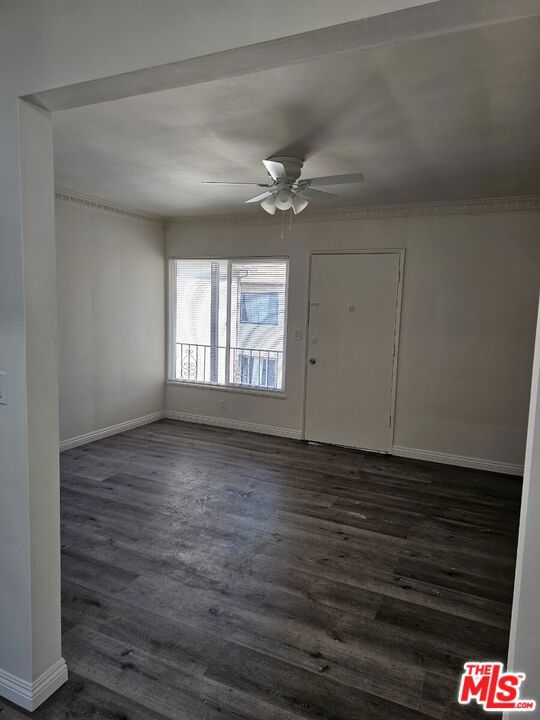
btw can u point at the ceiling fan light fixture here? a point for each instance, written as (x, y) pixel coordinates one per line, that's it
(299, 204)
(269, 204)
(284, 200)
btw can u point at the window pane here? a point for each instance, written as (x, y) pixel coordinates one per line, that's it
(259, 307)
(201, 314)
(258, 304)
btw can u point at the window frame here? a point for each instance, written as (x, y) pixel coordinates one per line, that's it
(171, 325)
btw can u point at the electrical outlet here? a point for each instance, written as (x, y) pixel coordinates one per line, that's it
(297, 334)
(3, 388)
(222, 404)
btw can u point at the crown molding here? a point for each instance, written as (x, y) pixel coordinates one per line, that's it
(374, 212)
(368, 212)
(92, 203)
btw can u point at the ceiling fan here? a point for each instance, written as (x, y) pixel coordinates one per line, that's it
(287, 191)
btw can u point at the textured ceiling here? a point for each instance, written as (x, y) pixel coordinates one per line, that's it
(448, 118)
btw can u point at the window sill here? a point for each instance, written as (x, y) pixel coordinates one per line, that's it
(280, 394)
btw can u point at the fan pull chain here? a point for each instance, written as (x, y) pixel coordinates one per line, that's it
(283, 216)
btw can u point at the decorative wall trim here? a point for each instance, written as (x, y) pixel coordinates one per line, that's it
(111, 430)
(30, 695)
(375, 212)
(458, 460)
(86, 201)
(234, 424)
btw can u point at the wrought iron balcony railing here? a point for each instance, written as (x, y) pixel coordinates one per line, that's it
(251, 367)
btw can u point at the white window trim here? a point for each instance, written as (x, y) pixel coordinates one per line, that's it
(242, 389)
(171, 326)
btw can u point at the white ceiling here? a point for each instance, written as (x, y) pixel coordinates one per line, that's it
(447, 118)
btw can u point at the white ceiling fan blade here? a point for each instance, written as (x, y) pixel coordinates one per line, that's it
(276, 170)
(336, 179)
(260, 197)
(313, 194)
(218, 182)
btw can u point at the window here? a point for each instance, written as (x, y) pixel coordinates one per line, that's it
(228, 322)
(259, 308)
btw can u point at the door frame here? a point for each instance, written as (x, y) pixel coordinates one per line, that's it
(400, 252)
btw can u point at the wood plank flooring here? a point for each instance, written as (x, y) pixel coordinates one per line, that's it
(209, 573)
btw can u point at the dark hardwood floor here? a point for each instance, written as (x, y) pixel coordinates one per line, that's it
(209, 573)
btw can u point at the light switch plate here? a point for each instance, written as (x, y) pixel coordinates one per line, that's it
(3, 388)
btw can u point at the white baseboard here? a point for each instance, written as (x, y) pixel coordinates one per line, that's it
(111, 430)
(30, 695)
(413, 453)
(459, 460)
(234, 424)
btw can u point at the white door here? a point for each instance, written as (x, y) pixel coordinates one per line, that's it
(351, 343)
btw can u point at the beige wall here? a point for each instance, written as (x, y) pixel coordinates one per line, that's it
(110, 279)
(467, 331)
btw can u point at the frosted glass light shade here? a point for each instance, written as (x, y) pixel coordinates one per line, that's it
(299, 204)
(283, 200)
(269, 204)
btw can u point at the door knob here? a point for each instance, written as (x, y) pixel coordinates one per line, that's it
(312, 361)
